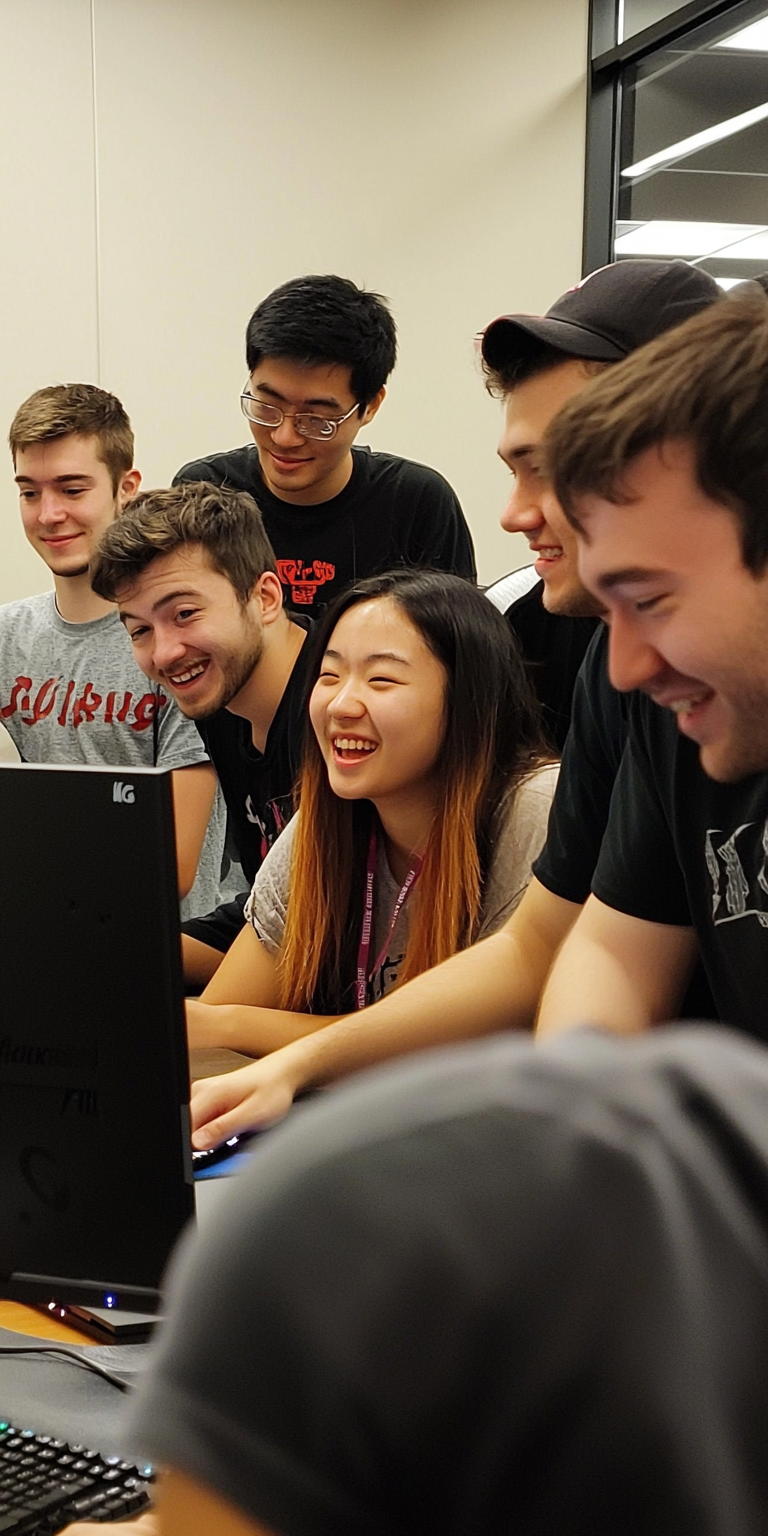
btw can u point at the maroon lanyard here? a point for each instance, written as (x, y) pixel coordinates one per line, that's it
(364, 975)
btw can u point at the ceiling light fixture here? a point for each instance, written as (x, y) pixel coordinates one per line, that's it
(696, 141)
(678, 237)
(754, 248)
(753, 38)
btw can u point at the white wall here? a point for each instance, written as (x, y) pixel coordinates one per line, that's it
(164, 163)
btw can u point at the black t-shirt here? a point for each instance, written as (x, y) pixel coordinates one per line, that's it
(591, 758)
(680, 848)
(391, 513)
(498, 1289)
(554, 647)
(257, 787)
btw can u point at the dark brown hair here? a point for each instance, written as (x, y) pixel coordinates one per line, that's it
(226, 524)
(61, 409)
(501, 377)
(704, 383)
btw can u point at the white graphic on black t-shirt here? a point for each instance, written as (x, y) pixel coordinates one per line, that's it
(739, 875)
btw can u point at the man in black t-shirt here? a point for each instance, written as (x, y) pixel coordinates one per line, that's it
(664, 470)
(319, 351)
(554, 646)
(194, 577)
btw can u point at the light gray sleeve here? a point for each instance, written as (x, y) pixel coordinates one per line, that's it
(179, 743)
(267, 905)
(520, 839)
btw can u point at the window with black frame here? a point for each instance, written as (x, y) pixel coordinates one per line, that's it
(689, 172)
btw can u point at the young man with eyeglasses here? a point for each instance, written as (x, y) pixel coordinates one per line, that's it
(319, 352)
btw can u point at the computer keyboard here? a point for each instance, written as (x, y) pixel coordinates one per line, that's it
(45, 1484)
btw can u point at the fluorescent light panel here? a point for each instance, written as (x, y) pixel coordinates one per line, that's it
(753, 249)
(753, 38)
(676, 237)
(697, 141)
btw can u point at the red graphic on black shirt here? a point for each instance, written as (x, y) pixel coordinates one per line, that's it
(277, 814)
(84, 708)
(304, 580)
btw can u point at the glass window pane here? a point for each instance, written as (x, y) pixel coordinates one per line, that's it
(693, 178)
(636, 15)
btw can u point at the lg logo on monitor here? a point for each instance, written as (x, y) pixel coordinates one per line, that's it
(122, 793)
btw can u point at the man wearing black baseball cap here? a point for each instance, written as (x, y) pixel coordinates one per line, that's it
(534, 363)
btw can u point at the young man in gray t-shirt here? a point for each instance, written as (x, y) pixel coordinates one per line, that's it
(70, 690)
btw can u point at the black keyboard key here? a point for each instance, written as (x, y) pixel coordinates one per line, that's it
(37, 1502)
(137, 1499)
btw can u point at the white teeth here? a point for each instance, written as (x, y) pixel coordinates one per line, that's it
(682, 706)
(185, 677)
(351, 744)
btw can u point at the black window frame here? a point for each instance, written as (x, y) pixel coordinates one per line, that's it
(609, 62)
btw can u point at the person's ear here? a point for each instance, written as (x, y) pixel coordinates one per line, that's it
(128, 486)
(269, 595)
(372, 407)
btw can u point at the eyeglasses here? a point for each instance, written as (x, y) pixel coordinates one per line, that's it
(307, 424)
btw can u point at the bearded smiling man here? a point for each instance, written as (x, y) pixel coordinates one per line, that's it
(663, 470)
(195, 579)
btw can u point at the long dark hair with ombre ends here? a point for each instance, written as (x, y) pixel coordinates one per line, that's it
(491, 739)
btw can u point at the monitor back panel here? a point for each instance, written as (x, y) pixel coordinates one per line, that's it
(95, 1168)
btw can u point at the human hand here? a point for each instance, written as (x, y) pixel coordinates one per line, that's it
(245, 1100)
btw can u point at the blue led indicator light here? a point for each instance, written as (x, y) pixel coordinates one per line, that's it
(109, 1300)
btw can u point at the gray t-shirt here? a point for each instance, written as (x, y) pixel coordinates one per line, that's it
(72, 693)
(520, 838)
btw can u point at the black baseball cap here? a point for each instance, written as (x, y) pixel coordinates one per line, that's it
(607, 315)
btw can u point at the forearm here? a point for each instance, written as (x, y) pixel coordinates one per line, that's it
(253, 1031)
(490, 987)
(200, 961)
(589, 985)
(495, 985)
(619, 972)
(193, 794)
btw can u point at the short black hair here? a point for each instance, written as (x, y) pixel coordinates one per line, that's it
(326, 320)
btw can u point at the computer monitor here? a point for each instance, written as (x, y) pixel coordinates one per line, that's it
(95, 1163)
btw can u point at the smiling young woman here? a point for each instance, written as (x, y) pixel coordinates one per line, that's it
(425, 793)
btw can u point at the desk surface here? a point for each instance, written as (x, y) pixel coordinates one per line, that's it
(21, 1319)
